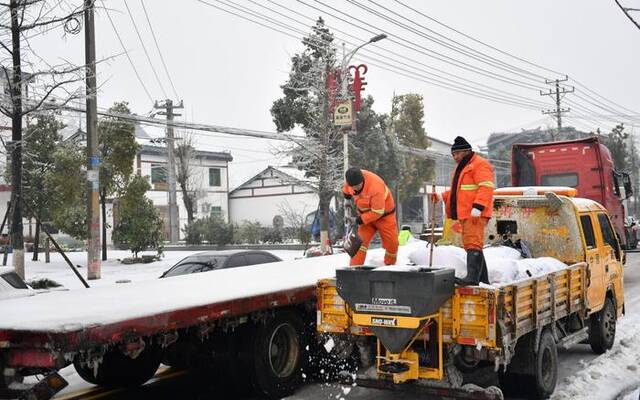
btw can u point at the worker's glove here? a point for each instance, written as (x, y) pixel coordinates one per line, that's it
(436, 197)
(475, 212)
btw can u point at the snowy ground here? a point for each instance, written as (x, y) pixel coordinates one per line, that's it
(112, 269)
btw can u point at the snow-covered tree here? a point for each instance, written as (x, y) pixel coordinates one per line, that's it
(407, 125)
(306, 105)
(117, 147)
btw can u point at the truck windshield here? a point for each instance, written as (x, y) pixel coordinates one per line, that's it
(568, 179)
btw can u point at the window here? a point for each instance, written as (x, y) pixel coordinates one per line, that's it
(570, 180)
(258, 259)
(214, 177)
(206, 208)
(158, 174)
(587, 228)
(236, 261)
(216, 212)
(608, 235)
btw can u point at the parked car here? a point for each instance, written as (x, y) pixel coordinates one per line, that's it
(212, 260)
(11, 285)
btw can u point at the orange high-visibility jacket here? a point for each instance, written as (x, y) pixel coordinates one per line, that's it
(374, 200)
(475, 186)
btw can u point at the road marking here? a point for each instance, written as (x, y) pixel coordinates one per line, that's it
(97, 392)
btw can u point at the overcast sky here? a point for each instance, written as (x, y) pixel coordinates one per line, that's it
(228, 70)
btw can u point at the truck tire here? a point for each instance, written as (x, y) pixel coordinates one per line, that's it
(602, 329)
(279, 355)
(543, 381)
(534, 370)
(120, 370)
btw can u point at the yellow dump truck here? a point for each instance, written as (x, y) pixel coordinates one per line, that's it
(426, 333)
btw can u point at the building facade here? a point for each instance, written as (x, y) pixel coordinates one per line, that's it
(210, 180)
(273, 194)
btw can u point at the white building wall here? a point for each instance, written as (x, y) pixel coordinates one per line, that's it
(263, 209)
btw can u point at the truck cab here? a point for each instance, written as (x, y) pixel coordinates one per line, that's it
(585, 165)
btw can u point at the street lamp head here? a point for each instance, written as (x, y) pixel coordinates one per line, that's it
(378, 38)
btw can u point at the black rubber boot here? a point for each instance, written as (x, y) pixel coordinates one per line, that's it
(476, 269)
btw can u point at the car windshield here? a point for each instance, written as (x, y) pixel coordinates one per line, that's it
(195, 264)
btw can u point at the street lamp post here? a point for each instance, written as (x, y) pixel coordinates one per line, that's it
(344, 72)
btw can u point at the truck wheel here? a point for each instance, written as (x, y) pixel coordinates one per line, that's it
(280, 355)
(543, 382)
(602, 330)
(120, 370)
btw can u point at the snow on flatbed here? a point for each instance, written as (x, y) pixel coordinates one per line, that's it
(78, 309)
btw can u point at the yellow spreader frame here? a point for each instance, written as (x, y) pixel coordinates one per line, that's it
(408, 356)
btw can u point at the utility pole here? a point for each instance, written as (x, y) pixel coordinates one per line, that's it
(557, 92)
(174, 229)
(94, 263)
(17, 239)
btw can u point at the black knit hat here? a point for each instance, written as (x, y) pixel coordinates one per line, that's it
(354, 176)
(460, 144)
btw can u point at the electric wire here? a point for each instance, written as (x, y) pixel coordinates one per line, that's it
(424, 50)
(398, 55)
(486, 59)
(393, 69)
(144, 48)
(124, 49)
(155, 40)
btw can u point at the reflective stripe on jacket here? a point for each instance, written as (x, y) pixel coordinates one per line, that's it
(475, 186)
(374, 200)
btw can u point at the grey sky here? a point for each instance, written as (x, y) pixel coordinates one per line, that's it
(228, 70)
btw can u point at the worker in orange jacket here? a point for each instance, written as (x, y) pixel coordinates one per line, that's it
(377, 213)
(470, 201)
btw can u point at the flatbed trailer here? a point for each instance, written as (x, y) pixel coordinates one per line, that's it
(424, 331)
(259, 333)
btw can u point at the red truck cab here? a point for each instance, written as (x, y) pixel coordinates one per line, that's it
(583, 164)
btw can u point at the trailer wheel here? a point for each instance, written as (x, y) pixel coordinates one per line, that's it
(602, 330)
(280, 354)
(120, 370)
(543, 382)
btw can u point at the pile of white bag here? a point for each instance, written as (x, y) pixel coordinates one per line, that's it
(504, 264)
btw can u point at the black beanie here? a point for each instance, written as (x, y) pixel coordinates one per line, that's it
(354, 176)
(460, 144)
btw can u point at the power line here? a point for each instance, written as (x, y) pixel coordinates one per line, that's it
(482, 58)
(164, 64)
(135, 70)
(144, 48)
(478, 41)
(505, 53)
(409, 74)
(398, 55)
(424, 50)
(602, 97)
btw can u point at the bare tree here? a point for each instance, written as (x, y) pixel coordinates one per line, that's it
(295, 220)
(23, 19)
(187, 175)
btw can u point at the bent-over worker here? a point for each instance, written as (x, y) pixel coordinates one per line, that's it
(376, 213)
